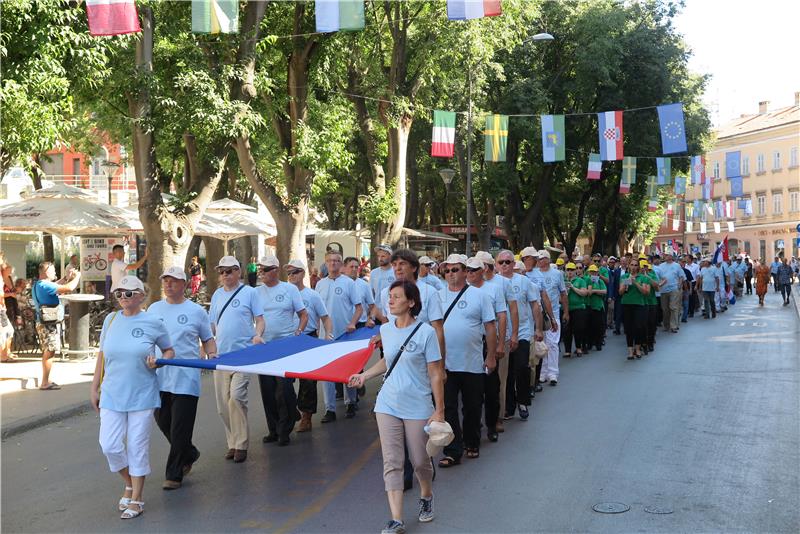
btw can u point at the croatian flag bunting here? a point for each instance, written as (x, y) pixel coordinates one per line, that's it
(652, 205)
(698, 170)
(296, 357)
(610, 135)
(112, 17)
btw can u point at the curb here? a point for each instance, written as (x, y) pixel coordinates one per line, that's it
(796, 302)
(30, 423)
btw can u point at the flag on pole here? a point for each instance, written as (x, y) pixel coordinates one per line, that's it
(215, 16)
(629, 170)
(721, 253)
(444, 134)
(733, 164)
(496, 137)
(737, 189)
(610, 134)
(652, 205)
(703, 227)
(680, 185)
(664, 170)
(295, 357)
(673, 134)
(335, 15)
(553, 148)
(595, 167)
(716, 227)
(112, 17)
(730, 226)
(689, 226)
(698, 170)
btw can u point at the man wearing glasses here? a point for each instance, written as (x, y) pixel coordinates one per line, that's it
(317, 316)
(283, 308)
(235, 307)
(341, 299)
(426, 275)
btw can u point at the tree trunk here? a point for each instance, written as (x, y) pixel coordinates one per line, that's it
(398, 156)
(47, 239)
(214, 251)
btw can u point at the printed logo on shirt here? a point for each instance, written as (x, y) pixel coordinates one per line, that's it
(461, 304)
(183, 319)
(279, 298)
(137, 332)
(338, 291)
(411, 346)
(516, 289)
(235, 303)
(306, 303)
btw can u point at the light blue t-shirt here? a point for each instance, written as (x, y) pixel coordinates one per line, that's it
(656, 271)
(188, 325)
(431, 307)
(552, 283)
(340, 298)
(773, 268)
(463, 329)
(365, 293)
(673, 274)
(524, 292)
(315, 309)
(380, 278)
(709, 275)
(497, 298)
(281, 304)
(128, 384)
(406, 394)
(432, 280)
(722, 275)
(235, 329)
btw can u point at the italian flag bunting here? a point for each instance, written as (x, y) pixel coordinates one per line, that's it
(112, 17)
(496, 138)
(444, 134)
(595, 167)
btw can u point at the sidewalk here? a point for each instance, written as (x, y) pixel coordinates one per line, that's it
(24, 407)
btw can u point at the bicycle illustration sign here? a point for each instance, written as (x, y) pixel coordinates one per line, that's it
(96, 256)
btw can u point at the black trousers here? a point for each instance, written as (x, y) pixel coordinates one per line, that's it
(491, 396)
(307, 392)
(280, 404)
(635, 317)
(175, 419)
(652, 322)
(575, 329)
(659, 312)
(518, 384)
(617, 313)
(597, 327)
(468, 386)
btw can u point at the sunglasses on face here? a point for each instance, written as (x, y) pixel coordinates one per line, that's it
(227, 271)
(266, 269)
(292, 273)
(473, 269)
(505, 262)
(125, 294)
(453, 270)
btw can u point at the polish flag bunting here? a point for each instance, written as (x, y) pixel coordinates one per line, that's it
(296, 357)
(112, 17)
(610, 134)
(595, 167)
(444, 134)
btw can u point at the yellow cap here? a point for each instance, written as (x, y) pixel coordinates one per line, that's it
(644, 263)
(593, 269)
(570, 265)
(642, 257)
(559, 261)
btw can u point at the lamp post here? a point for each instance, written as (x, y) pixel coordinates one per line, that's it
(109, 168)
(447, 177)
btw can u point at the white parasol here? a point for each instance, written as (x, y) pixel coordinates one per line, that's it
(226, 219)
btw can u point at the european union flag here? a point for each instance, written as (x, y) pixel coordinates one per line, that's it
(673, 133)
(733, 165)
(736, 187)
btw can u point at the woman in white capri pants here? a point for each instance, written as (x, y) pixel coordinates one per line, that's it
(125, 389)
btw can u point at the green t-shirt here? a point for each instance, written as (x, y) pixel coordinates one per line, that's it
(632, 295)
(596, 301)
(252, 267)
(604, 271)
(651, 297)
(576, 302)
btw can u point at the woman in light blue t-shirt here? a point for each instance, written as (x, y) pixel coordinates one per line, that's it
(403, 407)
(126, 371)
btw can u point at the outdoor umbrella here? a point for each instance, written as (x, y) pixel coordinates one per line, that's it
(226, 219)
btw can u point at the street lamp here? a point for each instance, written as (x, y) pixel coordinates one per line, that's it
(109, 168)
(540, 37)
(447, 176)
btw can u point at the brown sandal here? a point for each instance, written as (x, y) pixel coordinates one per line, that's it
(472, 453)
(448, 461)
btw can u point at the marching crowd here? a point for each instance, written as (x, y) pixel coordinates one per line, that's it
(483, 333)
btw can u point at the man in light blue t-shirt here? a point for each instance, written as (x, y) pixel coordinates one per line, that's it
(237, 319)
(383, 276)
(187, 324)
(708, 284)
(672, 278)
(551, 282)
(426, 275)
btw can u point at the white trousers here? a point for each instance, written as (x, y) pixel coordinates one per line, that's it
(125, 440)
(550, 363)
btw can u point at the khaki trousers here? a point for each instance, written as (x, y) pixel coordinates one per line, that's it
(231, 393)
(502, 370)
(396, 434)
(671, 309)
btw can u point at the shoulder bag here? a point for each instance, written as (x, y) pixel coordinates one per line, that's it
(48, 313)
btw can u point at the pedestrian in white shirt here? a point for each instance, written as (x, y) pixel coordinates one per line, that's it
(120, 267)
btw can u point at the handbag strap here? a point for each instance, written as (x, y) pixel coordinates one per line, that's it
(400, 352)
(452, 304)
(219, 317)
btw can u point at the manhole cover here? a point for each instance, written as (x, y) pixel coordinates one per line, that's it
(658, 509)
(611, 507)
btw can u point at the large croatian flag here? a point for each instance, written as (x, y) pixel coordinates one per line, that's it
(610, 132)
(296, 357)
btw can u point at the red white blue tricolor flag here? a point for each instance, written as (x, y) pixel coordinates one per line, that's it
(112, 17)
(473, 9)
(610, 133)
(296, 357)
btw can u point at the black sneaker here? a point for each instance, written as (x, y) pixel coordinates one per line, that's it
(329, 417)
(426, 510)
(394, 527)
(538, 388)
(523, 412)
(351, 411)
(283, 441)
(553, 382)
(269, 438)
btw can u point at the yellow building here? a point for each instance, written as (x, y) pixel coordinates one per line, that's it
(768, 143)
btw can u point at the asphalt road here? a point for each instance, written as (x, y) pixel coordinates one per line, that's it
(707, 427)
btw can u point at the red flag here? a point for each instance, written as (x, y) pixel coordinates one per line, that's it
(112, 17)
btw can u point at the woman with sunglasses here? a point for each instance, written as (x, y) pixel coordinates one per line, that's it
(634, 287)
(403, 407)
(576, 299)
(125, 369)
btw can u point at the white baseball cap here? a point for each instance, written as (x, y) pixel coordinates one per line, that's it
(129, 283)
(426, 260)
(440, 435)
(296, 264)
(529, 251)
(455, 258)
(485, 257)
(228, 261)
(544, 255)
(519, 266)
(269, 261)
(474, 263)
(174, 272)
